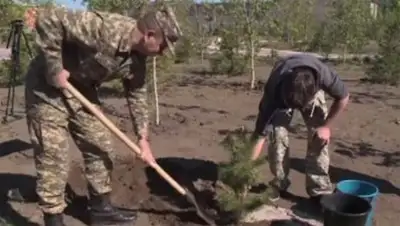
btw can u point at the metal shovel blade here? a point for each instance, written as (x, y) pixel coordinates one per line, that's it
(200, 210)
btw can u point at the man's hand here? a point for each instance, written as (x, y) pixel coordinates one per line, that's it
(60, 81)
(147, 154)
(323, 133)
(258, 148)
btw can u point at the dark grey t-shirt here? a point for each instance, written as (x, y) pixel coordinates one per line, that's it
(328, 80)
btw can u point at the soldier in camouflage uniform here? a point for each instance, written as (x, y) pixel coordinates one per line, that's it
(88, 48)
(299, 82)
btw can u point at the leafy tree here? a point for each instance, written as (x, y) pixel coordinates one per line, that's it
(230, 58)
(323, 39)
(253, 24)
(241, 35)
(131, 7)
(385, 68)
(185, 46)
(10, 11)
(295, 22)
(350, 24)
(204, 14)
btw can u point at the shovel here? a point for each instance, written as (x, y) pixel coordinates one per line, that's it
(100, 116)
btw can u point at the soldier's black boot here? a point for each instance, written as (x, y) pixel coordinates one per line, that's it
(103, 213)
(53, 220)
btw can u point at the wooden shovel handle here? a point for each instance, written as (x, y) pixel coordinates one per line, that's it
(100, 116)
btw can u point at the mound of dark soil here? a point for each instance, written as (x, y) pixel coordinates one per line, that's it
(137, 186)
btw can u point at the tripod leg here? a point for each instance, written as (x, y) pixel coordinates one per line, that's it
(8, 101)
(12, 97)
(15, 43)
(11, 36)
(16, 63)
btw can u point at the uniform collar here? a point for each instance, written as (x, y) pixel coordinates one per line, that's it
(126, 40)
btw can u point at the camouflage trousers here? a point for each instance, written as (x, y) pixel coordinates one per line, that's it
(50, 120)
(317, 157)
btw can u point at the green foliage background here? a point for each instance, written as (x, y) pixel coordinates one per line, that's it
(345, 27)
(386, 67)
(12, 11)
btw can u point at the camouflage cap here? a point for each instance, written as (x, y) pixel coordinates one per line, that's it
(169, 25)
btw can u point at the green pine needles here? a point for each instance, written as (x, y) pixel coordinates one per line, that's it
(238, 176)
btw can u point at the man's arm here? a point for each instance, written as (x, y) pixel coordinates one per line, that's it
(56, 26)
(337, 107)
(136, 94)
(262, 127)
(335, 87)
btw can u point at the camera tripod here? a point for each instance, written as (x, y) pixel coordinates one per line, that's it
(14, 38)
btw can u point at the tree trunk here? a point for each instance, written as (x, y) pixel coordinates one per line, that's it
(250, 31)
(252, 65)
(156, 90)
(200, 32)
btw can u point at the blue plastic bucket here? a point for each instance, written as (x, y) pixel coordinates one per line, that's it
(362, 189)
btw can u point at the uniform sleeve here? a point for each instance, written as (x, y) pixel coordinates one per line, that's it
(56, 25)
(136, 92)
(333, 85)
(266, 111)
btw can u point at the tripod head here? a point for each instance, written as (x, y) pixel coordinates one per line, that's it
(18, 22)
(16, 28)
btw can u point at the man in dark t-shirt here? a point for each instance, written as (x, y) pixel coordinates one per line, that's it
(299, 82)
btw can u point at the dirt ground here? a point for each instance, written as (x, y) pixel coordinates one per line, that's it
(196, 113)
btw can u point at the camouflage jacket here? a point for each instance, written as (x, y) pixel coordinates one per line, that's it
(94, 47)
